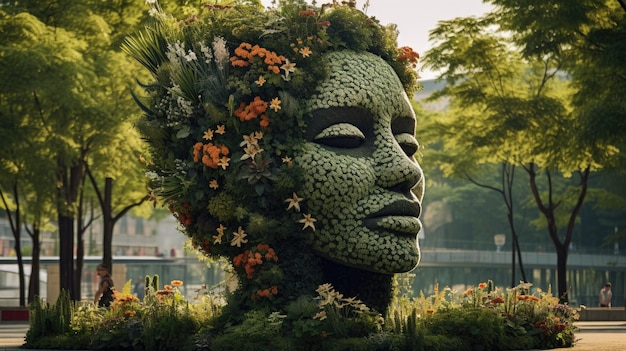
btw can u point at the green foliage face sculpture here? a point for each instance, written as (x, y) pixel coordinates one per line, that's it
(360, 169)
(283, 142)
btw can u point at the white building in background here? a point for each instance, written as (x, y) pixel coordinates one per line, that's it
(132, 236)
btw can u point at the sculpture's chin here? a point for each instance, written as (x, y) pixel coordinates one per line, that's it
(401, 261)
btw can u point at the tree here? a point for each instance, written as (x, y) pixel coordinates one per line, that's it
(515, 110)
(27, 175)
(129, 177)
(588, 35)
(66, 75)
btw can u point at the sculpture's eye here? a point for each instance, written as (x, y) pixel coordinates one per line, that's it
(341, 135)
(408, 143)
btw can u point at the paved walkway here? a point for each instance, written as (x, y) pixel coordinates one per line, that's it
(593, 336)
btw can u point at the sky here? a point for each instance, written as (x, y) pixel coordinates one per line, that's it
(415, 18)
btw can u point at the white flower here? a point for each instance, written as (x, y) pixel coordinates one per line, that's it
(191, 56)
(288, 67)
(222, 56)
(152, 175)
(206, 52)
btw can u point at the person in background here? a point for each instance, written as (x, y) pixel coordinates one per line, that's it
(606, 295)
(140, 288)
(104, 295)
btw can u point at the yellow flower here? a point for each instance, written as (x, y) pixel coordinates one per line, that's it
(238, 237)
(288, 161)
(213, 184)
(221, 129)
(208, 135)
(275, 104)
(288, 67)
(258, 135)
(217, 239)
(223, 162)
(305, 51)
(260, 81)
(249, 140)
(250, 151)
(308, 221)
(321, 315)
(294, 202)
(221, 229)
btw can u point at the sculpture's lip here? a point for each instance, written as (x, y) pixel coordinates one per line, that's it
(400, 217)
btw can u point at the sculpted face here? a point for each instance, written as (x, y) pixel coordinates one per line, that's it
(363, 184)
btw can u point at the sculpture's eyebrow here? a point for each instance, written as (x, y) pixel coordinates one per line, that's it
(326, 117)
(403, 125)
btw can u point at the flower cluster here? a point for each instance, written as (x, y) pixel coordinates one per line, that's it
(170, 292)
(409, 55)
(527, 311)
(256, 263)
(329, 298)
(337, 320)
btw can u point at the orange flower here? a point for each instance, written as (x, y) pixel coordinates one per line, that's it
(238, 260)
(468, 292)
(196, 151)
(527, 298)
(249, 271)
(213, 154)
(407, 54)
(265, 121)
(271, 255)
(237, 62)
(177, 282)
(252, 110)
(482, 285)
(242, 50)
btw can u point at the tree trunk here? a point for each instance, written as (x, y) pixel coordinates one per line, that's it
(80, 254)
(108, 224)
(70, 180)
(548, 210)
(561, 273)
(16, 229)
(66, 254)
(34, 288)
(80, 246)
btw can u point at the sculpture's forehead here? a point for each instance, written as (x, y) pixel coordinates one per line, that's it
(361, 80)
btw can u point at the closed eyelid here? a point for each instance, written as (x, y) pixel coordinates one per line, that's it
(341, 135)
(325, 118)
(341, 130)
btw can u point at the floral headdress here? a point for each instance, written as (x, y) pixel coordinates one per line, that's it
(224, 120)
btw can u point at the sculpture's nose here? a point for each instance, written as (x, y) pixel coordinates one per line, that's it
(398, 172)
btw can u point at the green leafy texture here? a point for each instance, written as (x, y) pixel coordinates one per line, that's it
(585, 38)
